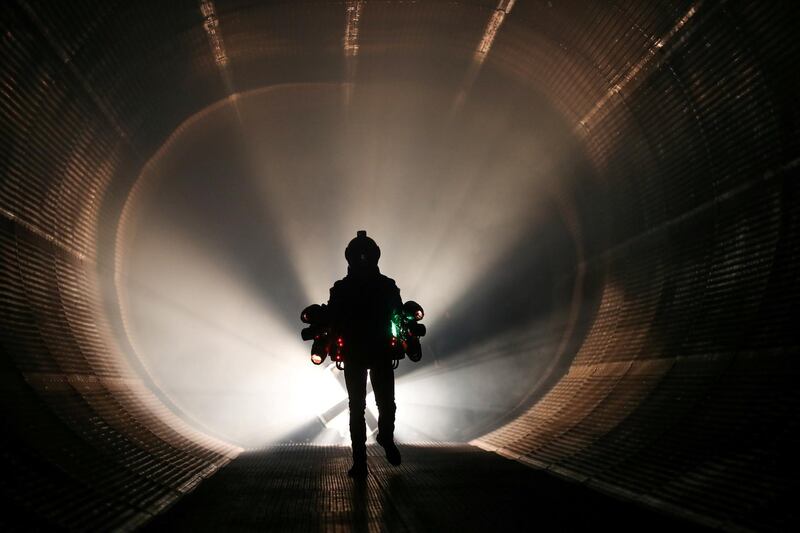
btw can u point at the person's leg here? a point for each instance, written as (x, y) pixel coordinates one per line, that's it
(355, 378)
(382, 377)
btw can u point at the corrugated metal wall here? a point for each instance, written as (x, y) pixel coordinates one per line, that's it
(84, 443)
(683, 393)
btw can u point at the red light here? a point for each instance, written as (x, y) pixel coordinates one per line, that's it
(394, 341)
(341, 341)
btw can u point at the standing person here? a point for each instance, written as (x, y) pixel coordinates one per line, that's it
(361, 307)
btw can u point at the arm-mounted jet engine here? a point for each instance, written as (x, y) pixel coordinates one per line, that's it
(405, 331)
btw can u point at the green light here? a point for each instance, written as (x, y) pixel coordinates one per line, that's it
(397, 320)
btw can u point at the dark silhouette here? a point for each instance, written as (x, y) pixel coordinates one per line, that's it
(361, 307)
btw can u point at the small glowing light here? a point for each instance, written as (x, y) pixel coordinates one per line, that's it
(211, 26)
(495, 21)
(351, 30)
(316, 359)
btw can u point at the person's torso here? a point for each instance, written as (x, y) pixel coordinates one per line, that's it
(366, 305)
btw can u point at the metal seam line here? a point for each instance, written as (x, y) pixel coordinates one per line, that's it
(43, 234)
(781, 172)
(484, 46)
(353, 12)
(492, 27)
(215, 41)
(105, 110)
(633, 72)
(211, 27)
(353, 9)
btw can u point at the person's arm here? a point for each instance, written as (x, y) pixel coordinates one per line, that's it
(393, 299)
(336, 305)
(397, 301)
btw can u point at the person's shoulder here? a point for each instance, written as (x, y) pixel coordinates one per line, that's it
(339, 285)
(388, 282)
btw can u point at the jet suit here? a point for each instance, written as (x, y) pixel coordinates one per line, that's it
(361, 307)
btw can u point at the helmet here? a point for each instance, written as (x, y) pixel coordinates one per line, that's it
(362, 251)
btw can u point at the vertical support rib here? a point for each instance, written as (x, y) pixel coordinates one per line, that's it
(217, 44)
(350, 44)
(484, 46)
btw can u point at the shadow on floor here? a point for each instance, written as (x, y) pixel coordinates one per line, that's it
(438, 488)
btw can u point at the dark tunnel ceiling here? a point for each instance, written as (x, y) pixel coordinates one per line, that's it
(671, 375)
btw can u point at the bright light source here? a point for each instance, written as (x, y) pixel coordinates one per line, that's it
(217, 253)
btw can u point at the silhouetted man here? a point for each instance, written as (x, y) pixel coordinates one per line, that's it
(361, 307)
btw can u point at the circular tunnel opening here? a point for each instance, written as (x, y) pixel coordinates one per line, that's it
(241, 218)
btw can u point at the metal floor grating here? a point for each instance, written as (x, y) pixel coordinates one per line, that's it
(438, 488)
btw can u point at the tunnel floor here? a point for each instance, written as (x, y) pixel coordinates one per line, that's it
(437, 488)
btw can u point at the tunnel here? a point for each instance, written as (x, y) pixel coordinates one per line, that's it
(595, 203)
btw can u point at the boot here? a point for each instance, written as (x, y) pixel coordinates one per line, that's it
(359, 468)
(392, 453)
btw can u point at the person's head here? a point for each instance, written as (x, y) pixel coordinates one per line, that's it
(362, 252)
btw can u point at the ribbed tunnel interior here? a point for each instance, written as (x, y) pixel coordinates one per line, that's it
(602, 197)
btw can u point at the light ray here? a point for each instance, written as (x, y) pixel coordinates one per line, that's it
(229, 353)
